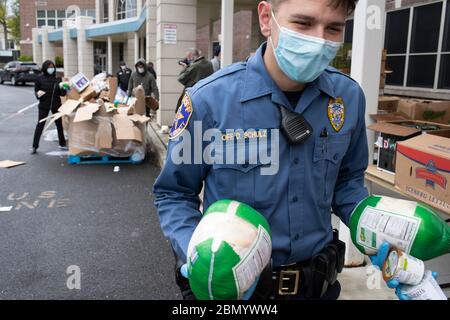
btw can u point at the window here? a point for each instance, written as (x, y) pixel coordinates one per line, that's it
(397, 65)
(444, 79)
(348, 37)
(413, 54)
(41, 14)
(425, 29)
(126, 9)
(105, 11)
(397, 24)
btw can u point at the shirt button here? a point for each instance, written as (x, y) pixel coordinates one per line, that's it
(295, 199)
(336, 156)
(296, 161)
(296, 237)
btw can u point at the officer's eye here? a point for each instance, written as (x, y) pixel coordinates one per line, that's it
(334, 30)
(303, 23)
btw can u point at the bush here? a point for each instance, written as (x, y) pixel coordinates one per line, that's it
(59, 61)
(25, 58)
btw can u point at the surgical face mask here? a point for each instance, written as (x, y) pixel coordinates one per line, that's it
(51, 70)
(301, 57)
(123, 67)
(141, 70)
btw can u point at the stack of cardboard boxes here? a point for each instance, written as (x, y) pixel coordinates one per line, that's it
(97, 126)
(414, 144)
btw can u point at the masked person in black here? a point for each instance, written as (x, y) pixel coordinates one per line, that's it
(48, 91)
(123, 75)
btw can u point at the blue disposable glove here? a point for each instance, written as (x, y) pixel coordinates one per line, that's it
(378, 261)
(381, 255)
(247, 295)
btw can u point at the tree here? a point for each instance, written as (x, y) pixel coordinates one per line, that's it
(13, 21)
(4, 20)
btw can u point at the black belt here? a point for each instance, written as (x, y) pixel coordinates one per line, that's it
(310, 278)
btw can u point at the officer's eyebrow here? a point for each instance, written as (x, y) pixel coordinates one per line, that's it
(310, 19)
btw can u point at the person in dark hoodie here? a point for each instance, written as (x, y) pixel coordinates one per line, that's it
(48, 90)
(143, 77)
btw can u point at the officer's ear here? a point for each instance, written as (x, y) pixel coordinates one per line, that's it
(264, 13)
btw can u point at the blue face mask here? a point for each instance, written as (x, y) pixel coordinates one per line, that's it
(303, 58)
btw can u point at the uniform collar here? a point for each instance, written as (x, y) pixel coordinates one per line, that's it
(258, 83)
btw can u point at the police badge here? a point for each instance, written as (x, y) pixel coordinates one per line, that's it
(336, 113)
(182, 118)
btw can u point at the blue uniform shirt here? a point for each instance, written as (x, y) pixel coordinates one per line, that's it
(326, 172)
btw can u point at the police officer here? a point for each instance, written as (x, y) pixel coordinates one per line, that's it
(123, 76)
(322, 145)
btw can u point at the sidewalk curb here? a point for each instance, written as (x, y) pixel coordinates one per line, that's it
(157, 143)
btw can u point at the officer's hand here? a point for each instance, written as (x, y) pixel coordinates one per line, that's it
(247, 295)
(381, 256)
(394, 284)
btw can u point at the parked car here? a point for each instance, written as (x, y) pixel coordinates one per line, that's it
(19, 72)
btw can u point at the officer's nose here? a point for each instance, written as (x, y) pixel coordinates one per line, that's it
(319, 32)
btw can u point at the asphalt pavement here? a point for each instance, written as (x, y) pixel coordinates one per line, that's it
(75, 231)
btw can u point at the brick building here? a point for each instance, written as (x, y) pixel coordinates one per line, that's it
(47, 13)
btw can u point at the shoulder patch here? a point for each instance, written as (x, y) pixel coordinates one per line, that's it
(182, 117)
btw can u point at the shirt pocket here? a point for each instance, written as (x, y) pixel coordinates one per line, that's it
(328, 155)
(245, 182)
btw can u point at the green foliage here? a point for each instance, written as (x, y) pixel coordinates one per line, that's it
(25, 58)
(59, 61)
(13, 22)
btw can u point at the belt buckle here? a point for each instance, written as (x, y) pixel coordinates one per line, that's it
(286, 277)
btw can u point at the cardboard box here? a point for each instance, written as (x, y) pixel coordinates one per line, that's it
(426, 110)
(423, 168)
(385, 117)
(388, 103)
(392, 132)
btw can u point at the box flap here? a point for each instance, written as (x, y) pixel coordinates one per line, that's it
(103, 138)
(69, 106)
(125, 128)
(393, 129)
(139, 118)
(112, 84)
(139, 106)
(389, 117)
(86, 112)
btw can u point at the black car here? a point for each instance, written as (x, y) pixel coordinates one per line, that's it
(19, 72)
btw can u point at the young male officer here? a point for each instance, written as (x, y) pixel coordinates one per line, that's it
(321, 165)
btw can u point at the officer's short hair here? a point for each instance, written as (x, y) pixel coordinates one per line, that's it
(122, 63)
(348, 4)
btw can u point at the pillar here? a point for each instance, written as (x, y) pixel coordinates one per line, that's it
(70, 48)
(110, 55)
(139, 7)
(183, 15)
(111, 10)
(227, 32)
(136, 46)
(366, 66)
(48, 48)
(37, 47)
(151, 31)
(85, 48)
(98, 11)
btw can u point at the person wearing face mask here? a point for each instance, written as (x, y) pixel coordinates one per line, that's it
(48, 90)
(143, 77)
(123, 76)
